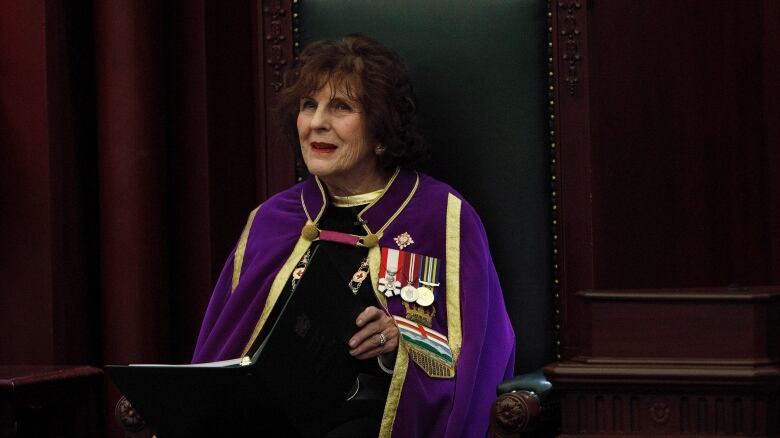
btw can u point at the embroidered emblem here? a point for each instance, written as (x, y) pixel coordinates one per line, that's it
(428, 348)
(403, 240)
(419, 314)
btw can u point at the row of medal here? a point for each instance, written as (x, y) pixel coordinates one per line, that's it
(419, 274)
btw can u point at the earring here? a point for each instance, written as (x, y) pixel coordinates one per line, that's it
(379, 150)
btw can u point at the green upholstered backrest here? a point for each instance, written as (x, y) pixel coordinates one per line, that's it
(479, 70)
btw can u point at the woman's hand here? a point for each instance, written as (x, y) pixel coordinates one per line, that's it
(375, 325)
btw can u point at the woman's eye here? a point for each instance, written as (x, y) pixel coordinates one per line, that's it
(342, 106)
(308, 104)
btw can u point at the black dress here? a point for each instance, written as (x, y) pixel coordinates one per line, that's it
(361, 415)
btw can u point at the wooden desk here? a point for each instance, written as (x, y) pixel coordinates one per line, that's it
(50, 401)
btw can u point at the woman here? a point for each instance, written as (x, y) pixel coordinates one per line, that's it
(434, 322)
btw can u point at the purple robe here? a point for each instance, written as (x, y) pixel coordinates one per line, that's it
(469, 305)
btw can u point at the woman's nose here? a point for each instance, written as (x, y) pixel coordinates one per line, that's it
(320, 120)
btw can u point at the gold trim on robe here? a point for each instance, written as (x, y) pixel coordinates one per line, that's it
(452, 266)
(238, 256)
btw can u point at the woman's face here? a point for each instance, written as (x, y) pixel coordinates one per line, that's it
(334, 141)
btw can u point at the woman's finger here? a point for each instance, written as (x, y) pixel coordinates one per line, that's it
(364, 334)
(370, 344)
(374, 349)
(369, 314)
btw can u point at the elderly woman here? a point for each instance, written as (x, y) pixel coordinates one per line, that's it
(434, 323)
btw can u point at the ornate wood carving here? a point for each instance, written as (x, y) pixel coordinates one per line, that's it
(275, 18)
(275, 39)
(514, 412)
(571, 34)
(643, 413)
(127, 416)
(571, 176)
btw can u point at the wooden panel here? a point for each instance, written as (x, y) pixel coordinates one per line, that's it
(674, 361)
(647, 412)
(664, 143)
(683, 324)
(677, 142)
(771, 88)
(274, 44)
(572, 178)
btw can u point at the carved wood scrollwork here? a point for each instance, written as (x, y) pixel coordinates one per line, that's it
(128, 417)
(274, 16)
(571, 36)
(514, 412)
(660, 413)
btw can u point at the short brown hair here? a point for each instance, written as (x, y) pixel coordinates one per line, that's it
(372, 75)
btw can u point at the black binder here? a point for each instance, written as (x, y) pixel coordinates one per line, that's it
(297, 379)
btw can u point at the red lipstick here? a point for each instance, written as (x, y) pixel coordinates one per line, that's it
(322, 147)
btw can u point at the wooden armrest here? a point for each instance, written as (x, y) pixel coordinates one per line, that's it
(525, 403)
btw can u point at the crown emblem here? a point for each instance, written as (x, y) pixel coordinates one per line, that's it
(419, 314)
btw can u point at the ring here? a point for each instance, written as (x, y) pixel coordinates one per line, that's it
(382, 339)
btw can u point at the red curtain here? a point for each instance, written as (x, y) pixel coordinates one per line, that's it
(129, 160)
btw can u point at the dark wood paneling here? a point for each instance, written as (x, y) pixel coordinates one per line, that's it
(712, 325)
(677, 144)
(771, 88)
(673, 362)
(664, 145)
(668, 152)
(274, 46)
(573, 178)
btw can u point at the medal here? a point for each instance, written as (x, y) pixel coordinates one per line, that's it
(403, 240)
(409, 293)
(389, 286)
(424, 296)
(358, 277)
(429, 276)
(388, 283)
(300, 268)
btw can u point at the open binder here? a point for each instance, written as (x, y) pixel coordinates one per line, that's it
(297, 378)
